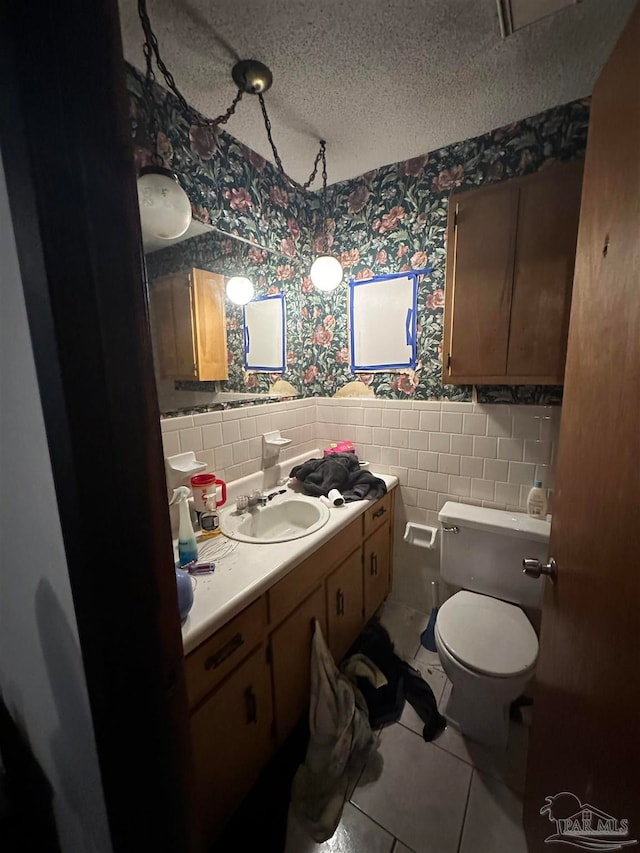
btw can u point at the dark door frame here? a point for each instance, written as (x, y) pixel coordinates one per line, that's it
(67, 153)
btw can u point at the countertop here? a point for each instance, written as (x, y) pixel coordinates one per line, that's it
(244, 571)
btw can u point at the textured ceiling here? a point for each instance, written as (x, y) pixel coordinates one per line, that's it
(380, 80)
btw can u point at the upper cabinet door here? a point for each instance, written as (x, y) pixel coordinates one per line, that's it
(189, 327)
(481, 240)
(171, 312)
(210, 325)
(510, 258)
(543, 277)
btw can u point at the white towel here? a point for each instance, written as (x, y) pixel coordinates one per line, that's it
(340, 739)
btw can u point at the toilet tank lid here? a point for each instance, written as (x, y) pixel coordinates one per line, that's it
(506, 523)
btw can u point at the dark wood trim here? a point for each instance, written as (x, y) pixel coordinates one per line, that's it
(67, 154)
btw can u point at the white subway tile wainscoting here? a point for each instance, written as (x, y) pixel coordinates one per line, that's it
(485, 454)
(488, 455)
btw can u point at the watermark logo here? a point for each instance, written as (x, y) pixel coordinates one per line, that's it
(584, 826)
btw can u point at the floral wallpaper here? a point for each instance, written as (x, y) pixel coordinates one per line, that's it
(390, 219)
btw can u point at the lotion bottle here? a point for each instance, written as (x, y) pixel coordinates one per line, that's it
(537, 501)
(187, 545)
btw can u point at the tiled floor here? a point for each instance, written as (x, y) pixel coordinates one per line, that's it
(448, 796)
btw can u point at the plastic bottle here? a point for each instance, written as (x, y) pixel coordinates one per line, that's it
(209, 518)
(537, 501)
(187, 545)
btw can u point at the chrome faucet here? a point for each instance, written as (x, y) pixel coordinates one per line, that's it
(257, 499)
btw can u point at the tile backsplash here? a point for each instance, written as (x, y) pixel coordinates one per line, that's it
(483, 454)
(487, 455)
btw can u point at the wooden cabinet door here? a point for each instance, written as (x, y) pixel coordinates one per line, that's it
(543, 274)
(232, 740)
(290, 660)
(481, 239)
(345, 604)
(210, 325)
(171, 312)
(377, 569)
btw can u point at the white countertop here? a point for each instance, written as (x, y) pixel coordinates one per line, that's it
(244, 571)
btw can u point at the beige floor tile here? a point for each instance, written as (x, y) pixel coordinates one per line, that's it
(493, 823)
(421, 794)
(356, 833)
(508, 766)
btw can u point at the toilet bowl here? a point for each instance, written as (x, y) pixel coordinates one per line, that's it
(486, 644)
(488, 649)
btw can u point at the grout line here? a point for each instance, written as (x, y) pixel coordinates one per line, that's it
(377, 823)
(466, 808)
(398, 841)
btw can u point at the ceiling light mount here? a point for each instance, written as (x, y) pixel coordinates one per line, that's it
(252, 77)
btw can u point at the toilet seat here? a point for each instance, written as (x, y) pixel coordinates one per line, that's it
(487, 635)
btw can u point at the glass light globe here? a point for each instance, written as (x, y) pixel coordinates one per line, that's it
(165, 209)
(326, 272)
(240, 289)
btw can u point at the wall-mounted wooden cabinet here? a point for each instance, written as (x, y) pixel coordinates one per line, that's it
(510, 257)
(189, 326)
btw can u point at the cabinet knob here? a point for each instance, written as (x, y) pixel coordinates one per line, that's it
(339, 603)
(380, 512)
(374, 563)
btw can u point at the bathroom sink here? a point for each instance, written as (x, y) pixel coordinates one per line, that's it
(281, 521)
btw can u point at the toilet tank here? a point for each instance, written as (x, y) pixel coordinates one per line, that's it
(485, 554)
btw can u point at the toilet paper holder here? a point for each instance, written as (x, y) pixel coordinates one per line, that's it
(421, 535)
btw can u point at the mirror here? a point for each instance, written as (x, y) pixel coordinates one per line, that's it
(265, 334)
(255, 373)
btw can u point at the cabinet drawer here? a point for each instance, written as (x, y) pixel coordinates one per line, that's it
(207, 665)
(288, 592)
(377, 514)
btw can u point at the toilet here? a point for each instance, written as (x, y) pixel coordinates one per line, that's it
(486, 644)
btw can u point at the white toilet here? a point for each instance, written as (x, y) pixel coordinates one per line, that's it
(487, 645)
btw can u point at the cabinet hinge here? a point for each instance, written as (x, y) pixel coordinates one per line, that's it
(448, 361)
(455, 217)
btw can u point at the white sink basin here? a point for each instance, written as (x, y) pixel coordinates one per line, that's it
(281, 521)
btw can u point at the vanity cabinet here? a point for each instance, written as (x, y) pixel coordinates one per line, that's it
(510, 258)
(377, 568)
(249, 683)
(345, 604)
(232, 740)
(290, 650)
(189, 325)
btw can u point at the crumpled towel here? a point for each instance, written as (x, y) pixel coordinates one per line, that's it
(340, 738)
(339, 471)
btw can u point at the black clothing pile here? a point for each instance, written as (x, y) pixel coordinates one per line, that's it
(339, 471)
(404, 683)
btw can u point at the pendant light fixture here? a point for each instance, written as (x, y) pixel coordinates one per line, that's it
(165, 209)
(326, 270)
(240, 289)
(162, 200)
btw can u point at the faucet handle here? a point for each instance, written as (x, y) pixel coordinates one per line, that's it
(242, 503)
